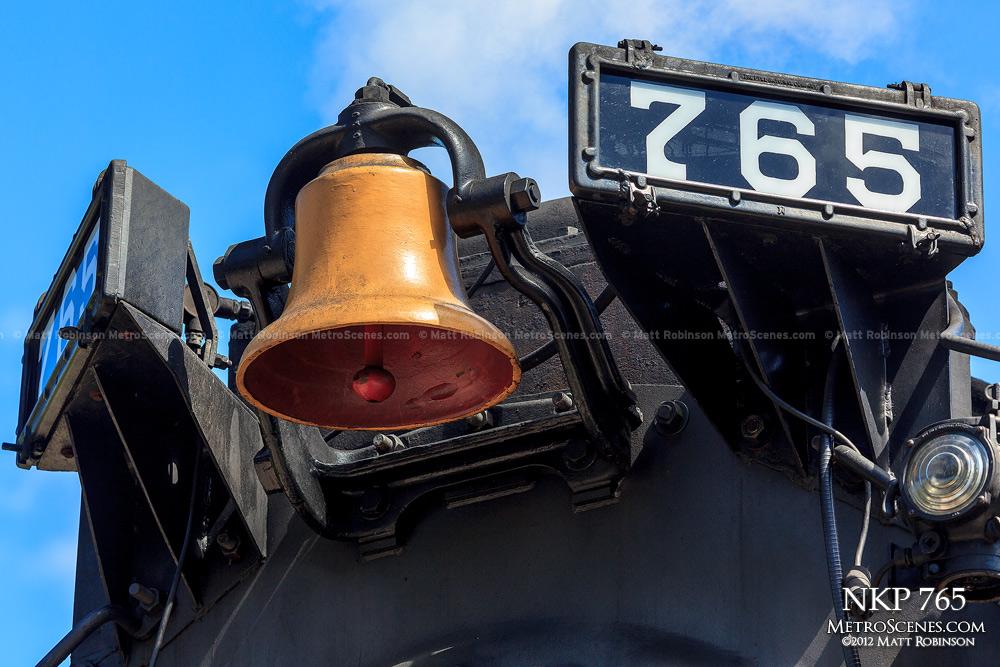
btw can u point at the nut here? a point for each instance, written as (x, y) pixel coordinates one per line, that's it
(524, 195)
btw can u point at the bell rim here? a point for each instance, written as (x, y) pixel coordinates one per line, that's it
(508, 351)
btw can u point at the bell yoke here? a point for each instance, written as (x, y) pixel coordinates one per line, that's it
(376, 332)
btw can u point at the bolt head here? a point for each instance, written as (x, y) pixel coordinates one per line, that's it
(671, 417)
(525, 195)
(666, 413)
(578, 455)
(562, 402)
(752, 427)
(373, 504)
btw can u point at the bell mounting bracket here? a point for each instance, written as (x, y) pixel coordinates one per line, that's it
(381, 119)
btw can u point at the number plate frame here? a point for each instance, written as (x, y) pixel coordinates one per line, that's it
(141, 238)
(594, 181)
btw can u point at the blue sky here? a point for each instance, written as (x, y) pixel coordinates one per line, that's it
(205, 98)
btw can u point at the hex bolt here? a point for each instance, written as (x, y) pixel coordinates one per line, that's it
(147, 597)
(387, 443)
(671, 417)
(479, 421)
(752, 427)
(562, 401)
(578, 455)
(227, 542)
(373, 503)
(524, 195)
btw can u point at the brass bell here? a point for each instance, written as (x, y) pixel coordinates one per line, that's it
(377, 332)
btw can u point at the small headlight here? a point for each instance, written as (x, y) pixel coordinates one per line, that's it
(946, 473)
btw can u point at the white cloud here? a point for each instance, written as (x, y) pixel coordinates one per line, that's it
(498, 68)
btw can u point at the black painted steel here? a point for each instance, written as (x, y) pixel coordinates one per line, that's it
(86, 627)
(131, 246)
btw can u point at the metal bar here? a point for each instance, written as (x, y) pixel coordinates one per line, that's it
(208, 328)
(86, 627)
(602, 398)
(761, 307)
(860, 322)
(952, 339)
(540, 355)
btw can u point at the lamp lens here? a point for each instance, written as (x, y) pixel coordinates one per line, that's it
(947, 473)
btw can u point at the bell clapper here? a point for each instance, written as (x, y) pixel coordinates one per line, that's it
(373, 383)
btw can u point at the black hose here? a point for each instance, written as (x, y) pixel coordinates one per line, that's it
(86, 627)
(542, 354)
(172, 596)
(787, 407)
(471, 292)
(830, 539)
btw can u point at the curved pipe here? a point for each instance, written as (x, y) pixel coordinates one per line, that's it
(86, 627)
(952, 339)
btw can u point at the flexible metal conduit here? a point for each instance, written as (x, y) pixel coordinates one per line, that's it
(834, 567)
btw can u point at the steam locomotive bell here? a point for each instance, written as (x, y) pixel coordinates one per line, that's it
(377, 332)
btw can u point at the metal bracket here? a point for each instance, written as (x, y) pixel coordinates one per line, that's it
(639, 52)
(917, 94)
(297, 460)
(638, 198)
(206, 318)
(924, 241)
(992, 392)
